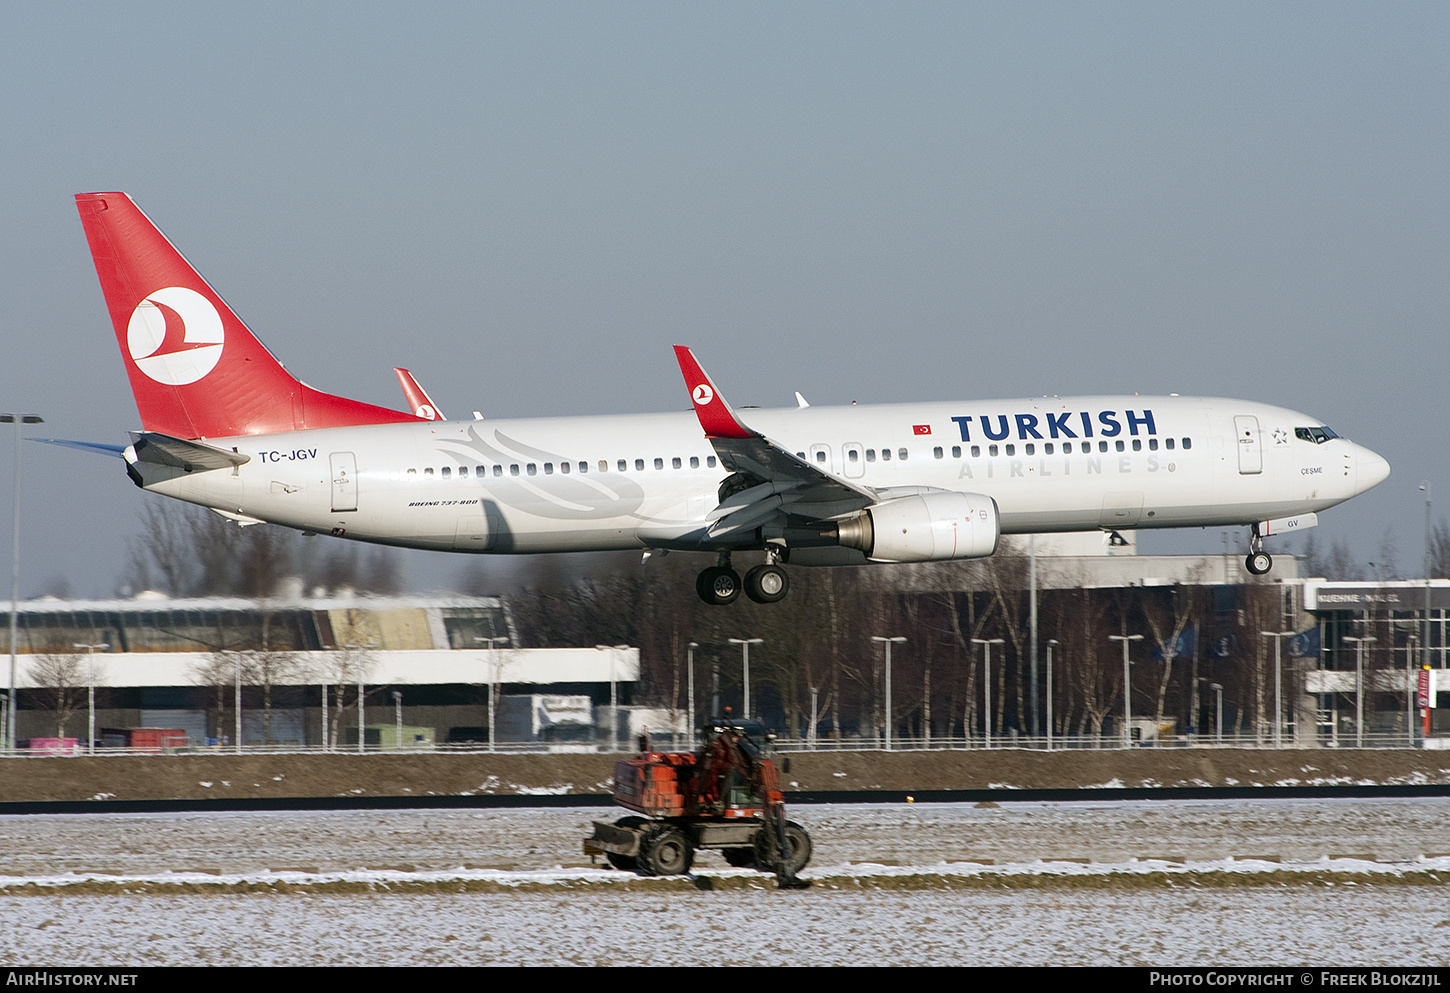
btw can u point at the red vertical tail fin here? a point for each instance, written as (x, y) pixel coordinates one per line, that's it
(196, 370)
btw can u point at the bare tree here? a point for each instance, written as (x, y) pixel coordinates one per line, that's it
(62, 680)
(1167, 620)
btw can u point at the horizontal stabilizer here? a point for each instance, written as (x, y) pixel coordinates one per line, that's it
(100, 448)
(189, 456)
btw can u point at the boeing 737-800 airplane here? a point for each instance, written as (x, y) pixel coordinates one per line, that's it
(224, 425)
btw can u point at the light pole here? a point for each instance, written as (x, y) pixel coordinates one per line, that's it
(1429, 570)
(1410, 689)
(492, 679)
(888, 642)
(398, 720)
(353, 653)
(1278, 637)
(987, 644)
(811, 737)
(745, 644)
(91, 649)
(690, 659)
(237, 745)
(1359, 644)
(1127, 687)
(1218, 725)
(613, 695)
(1051, 644)
(17, 420)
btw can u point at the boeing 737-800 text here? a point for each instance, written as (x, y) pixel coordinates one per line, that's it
(226, 427)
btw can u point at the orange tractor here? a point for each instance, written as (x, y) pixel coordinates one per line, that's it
(726, 796)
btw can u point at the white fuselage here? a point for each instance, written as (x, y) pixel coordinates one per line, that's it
(598, 483)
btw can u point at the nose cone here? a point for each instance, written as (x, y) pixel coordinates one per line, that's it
(1371, 469)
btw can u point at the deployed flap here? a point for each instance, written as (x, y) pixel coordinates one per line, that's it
(162, 449)
(741, 449)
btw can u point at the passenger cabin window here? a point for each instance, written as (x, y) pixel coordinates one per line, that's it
(639, 465)
(694, 461)
(937, 452)
(901, 454)
(659, 463)
(710, 461)
(675, 462)
(870, 455)
(885, 455)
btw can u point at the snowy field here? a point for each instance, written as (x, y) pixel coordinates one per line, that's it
(1290, 882)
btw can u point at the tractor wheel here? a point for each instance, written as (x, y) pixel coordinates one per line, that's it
(767, 848)
(665, 851)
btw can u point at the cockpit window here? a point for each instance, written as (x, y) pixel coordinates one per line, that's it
(1318, 435)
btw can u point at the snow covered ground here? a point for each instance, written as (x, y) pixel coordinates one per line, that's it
(1286, 882)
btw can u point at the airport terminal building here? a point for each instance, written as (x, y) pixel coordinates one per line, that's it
(430, 664)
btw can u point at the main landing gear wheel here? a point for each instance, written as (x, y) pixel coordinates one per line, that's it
(767, 584)
(718, 585)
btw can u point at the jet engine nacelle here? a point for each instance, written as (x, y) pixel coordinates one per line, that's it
(928, 527)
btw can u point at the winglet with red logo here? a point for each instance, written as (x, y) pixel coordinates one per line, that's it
(419, 402)
(195, 369)
(716, 417)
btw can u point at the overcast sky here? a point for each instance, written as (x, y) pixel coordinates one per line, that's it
(528, 203)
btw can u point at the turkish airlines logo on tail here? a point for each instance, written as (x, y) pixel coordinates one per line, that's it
(175, 336)
(703, 395)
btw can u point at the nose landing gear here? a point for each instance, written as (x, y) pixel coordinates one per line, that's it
(1258, 561)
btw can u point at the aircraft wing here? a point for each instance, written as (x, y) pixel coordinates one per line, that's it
(782, 481)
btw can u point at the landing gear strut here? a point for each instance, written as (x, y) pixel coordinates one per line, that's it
(1258, 561)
